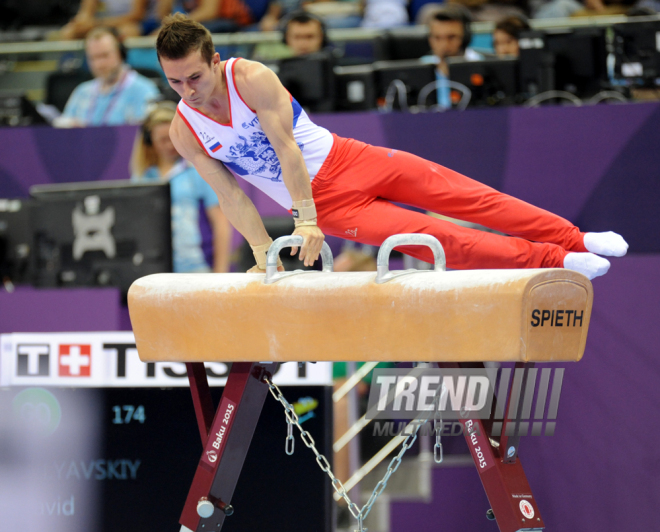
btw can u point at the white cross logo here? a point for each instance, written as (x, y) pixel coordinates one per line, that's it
(74, 360)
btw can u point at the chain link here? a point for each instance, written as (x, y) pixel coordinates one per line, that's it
(321, 460)
(307, 439)
(438, 455)
(290, 444)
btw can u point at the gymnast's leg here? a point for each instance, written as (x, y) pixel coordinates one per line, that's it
(415, 181)
(374, 221)
(350, 206)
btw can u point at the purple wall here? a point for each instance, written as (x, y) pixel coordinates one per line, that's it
(30, 309)
(597, 166)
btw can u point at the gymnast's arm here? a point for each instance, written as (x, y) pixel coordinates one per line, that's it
(262, 91)
(237, 207)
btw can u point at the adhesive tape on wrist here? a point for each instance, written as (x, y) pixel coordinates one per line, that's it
(300, 223)
(260, 253)
(304, 210)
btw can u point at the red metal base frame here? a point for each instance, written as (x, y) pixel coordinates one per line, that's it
(226, 439)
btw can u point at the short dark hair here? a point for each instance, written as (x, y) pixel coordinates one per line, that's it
(179, 36)
(302, 17)
(453, 13)
(513, 26)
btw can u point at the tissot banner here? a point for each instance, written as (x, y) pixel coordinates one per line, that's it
(110, 359)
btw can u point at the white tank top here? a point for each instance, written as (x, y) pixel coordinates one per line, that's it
(244, 148)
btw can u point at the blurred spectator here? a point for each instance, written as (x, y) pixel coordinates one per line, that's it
(131, 18)
(336, 13)
(117, 95)
(595, 8)
(154, 158)
(219, 16)
(480, 10)
(304, 33)
(449, 36)
(276, 12)
(506, 35)
(385, 13)
(590, 8)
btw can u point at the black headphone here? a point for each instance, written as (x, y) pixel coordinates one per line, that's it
(123, 52)
(146, 134)
(301, 16)
(457, 13)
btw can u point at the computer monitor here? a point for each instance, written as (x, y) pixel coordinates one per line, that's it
(636, 47)
(100, 233)
(572, 60)
(356, 88)
(310, 80)
(17, 110)
(414, 74)
(491, 81)
(15, 241)
(402, 43)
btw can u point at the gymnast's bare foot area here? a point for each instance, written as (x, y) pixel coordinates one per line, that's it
(609, 244)
(587, 264)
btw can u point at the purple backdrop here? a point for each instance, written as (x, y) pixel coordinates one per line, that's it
(597, 166)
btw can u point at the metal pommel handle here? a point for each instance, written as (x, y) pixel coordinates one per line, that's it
(408, 239)
(273, 275)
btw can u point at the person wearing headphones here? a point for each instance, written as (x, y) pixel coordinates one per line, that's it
(304, 33)
(506, 35)
(117, 95)
(449, 36)
(154, 158)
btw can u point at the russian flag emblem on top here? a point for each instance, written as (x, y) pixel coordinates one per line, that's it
(215, 147)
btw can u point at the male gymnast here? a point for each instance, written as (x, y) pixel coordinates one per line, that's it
(236, 119)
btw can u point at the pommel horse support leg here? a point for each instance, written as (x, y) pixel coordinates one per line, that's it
(457, 318)
(502, 476)
(226, 439)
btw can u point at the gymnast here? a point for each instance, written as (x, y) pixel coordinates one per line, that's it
(236, 119)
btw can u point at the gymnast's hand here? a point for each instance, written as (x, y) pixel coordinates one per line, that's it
(256, 269)
(313, 239)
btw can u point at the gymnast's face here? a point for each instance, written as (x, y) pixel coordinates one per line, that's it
(191, 77)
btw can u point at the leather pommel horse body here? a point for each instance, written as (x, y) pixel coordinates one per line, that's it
(452, 318)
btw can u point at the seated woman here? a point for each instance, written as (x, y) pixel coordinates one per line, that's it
(155, 159)
(506, 35)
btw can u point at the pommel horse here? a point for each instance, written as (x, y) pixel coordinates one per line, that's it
(456, 319)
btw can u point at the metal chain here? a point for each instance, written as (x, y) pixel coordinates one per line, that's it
(308, 440)
(438, 455)
(321, 460)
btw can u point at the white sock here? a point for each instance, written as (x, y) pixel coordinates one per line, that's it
(609, 244)
(587, 264)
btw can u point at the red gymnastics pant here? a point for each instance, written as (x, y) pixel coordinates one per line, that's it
(357, 184)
